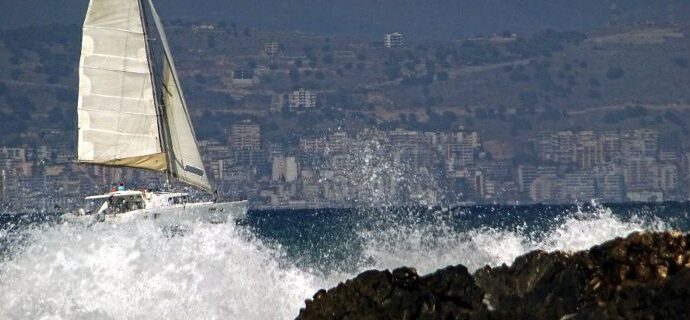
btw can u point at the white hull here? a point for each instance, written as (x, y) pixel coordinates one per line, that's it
(209, 212)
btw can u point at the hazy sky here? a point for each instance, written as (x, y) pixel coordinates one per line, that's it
(440, 19)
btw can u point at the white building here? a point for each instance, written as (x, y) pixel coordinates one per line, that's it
(544, 189)
(243, 77)
(393, 40)
(302, 98)
(665, 176)
(578, 186)
(284, 169)
(18, 154)
(272, 49)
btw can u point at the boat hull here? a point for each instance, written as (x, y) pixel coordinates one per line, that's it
(209, 212)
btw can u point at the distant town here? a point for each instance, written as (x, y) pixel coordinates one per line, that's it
(314, 122)
(378, 168)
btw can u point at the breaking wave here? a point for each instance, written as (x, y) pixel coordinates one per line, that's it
(138, 270)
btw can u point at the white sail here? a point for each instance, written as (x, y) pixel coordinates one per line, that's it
(186, 164)
(185, 158)
(117, 118)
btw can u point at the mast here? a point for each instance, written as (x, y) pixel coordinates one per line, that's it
(158, 100)
(185, 163)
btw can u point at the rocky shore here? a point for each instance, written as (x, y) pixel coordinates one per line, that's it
(643, 276)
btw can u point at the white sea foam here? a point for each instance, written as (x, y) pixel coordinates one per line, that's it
(138, 271)
(431, 246)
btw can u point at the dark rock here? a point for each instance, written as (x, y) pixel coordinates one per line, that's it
(644, 276)
(449, 293)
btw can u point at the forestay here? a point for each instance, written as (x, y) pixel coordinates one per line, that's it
(117, 119)
(185, 160)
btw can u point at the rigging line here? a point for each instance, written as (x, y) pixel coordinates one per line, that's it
(205, 184)
(163, 131)
(171, 64)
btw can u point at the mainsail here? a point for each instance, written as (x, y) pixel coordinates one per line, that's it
(116, 108)
(121, 121)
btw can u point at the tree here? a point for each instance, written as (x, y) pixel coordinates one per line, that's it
(392, 71)
(211, 41)
(20, 102)
(294, 75)
(207, 127)
(55, 115)
(675, 119)
(612, 117)
(594, 94)
(552, 114)
(328, 58)
(615, 73)
(200, 78)
(635, 112)
(529, 98)
(681, 62)
(520, 124)
(16, 73)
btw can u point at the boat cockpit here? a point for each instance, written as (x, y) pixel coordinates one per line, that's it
(130, 200)
(118, 202)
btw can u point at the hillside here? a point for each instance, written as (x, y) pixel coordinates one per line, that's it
(509, 87)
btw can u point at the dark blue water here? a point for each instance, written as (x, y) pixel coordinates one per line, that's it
(312, 234)
(277, 258)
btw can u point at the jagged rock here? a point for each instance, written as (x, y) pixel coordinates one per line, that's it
(551, 285)
(449, 293)
(644, 276)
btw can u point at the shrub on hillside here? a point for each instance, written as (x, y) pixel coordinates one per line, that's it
(615, 73)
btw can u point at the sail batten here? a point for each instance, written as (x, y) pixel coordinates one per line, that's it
(117, 119)
(126, 115)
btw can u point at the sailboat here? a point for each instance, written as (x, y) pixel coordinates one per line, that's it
(132, 113)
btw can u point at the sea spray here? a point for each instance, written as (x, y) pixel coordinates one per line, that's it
(429, 243)
(265, 268)
(137, 271)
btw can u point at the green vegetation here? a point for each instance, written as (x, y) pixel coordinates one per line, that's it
(676, 119)
(681, 62)
(629, 112)
(508, 88)
(545, 43)
(615, 73)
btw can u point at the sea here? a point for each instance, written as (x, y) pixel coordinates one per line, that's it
(265, 267)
